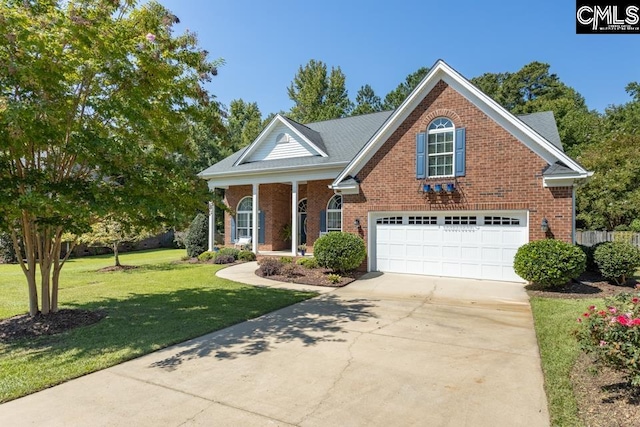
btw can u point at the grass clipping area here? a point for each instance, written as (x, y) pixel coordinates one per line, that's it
(158, 304)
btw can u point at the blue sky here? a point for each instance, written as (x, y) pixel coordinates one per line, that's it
(379, 42)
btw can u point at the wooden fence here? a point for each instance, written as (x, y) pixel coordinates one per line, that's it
(590, 238)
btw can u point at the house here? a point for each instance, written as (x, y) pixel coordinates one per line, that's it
(448, 184)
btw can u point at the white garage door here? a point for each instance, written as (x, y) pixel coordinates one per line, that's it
(474, 245)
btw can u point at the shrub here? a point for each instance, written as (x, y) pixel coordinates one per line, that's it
(206, 256)
(224, 259)
(246, 256)
(617, 260)
(286, 259)
(270, 266)
(339, 251)
(197, 239)
(289, 270)
(229, 251)
(308, 262)
(7, 252)
(635, 225)
(549, 262)
(622, 227)
(334, 278)
(612, 335)
(589, 252)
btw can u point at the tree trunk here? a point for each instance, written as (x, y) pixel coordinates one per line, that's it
(115, 252)
(44, 259)
(28, 268)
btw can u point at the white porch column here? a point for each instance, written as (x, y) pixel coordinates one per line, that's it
(212, 225)
(294, 218)
(255, 219)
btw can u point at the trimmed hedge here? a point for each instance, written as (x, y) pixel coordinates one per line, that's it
(339, 251)
(549, 262)
(617, 260)
(206, 256)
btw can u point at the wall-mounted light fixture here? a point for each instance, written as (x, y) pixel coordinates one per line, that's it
(356, 223)
(544, 226)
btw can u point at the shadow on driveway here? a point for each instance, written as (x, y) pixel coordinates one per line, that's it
(318, 320)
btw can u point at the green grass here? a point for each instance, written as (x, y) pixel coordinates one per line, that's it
(148, 308)
(555, 322)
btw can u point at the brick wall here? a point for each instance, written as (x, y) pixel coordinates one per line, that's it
(501, 172)
(275, 201)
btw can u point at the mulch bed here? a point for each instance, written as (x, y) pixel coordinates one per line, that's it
(117, 268)
(312, 276)
(604, 398)
(588, 285)
(24, 326)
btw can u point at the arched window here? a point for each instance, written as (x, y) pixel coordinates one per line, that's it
(244, 217)
(302, 206)
(440, 147)
(282, 138)
(334, 213)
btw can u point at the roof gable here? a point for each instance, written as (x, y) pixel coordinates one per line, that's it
(546, 146)
(283, 138)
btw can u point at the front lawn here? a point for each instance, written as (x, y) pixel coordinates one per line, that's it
(153, 306)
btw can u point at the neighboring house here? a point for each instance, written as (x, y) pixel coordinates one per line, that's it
(448, 184)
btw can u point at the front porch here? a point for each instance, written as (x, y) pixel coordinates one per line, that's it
(277, 217)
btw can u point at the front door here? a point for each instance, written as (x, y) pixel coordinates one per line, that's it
(302, 225)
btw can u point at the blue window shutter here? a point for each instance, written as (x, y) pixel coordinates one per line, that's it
(233, 229)
(323, 221)
(421, 159)
(460, 152)
(261, 227)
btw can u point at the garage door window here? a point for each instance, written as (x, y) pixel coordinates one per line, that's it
(419, 220)
(500, 220)
(390, 220)
(460, 220)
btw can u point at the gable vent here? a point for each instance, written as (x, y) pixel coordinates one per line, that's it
(282, 138)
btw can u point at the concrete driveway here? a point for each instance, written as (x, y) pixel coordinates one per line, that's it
(389, 350)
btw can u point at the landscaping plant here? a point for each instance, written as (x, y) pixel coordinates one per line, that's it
(197, 238)
(246, 256)
(549, 262)
(617, 260)
(308, 262)
(340, 251)
(270, 266)
(224, 259)
(233, 252)
(206, 256)
(612, 334)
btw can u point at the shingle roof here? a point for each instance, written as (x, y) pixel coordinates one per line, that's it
(545, 124)
(341, 139)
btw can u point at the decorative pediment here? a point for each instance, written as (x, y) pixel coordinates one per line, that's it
(283, 139)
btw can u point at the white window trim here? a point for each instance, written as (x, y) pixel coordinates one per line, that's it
(334, 211)
(453, 152)
(249, 214)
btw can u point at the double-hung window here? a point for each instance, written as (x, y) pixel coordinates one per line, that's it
(440, 147)
(244, 217)
(440, 150)
(334, 213)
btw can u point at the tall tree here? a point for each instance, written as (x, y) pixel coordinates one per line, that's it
(400, 93)
(612, 195)
(367, 101)
(318, 95)
(532, 89)
(94, 97)
(244, 124)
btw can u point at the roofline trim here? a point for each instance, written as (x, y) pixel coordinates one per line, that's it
(271, 170)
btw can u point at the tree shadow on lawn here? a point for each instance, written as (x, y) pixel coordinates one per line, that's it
(313, 321)
(143, 323)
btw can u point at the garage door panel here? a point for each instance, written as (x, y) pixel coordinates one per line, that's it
(398, 234)
(475, 251)
(469, 253)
